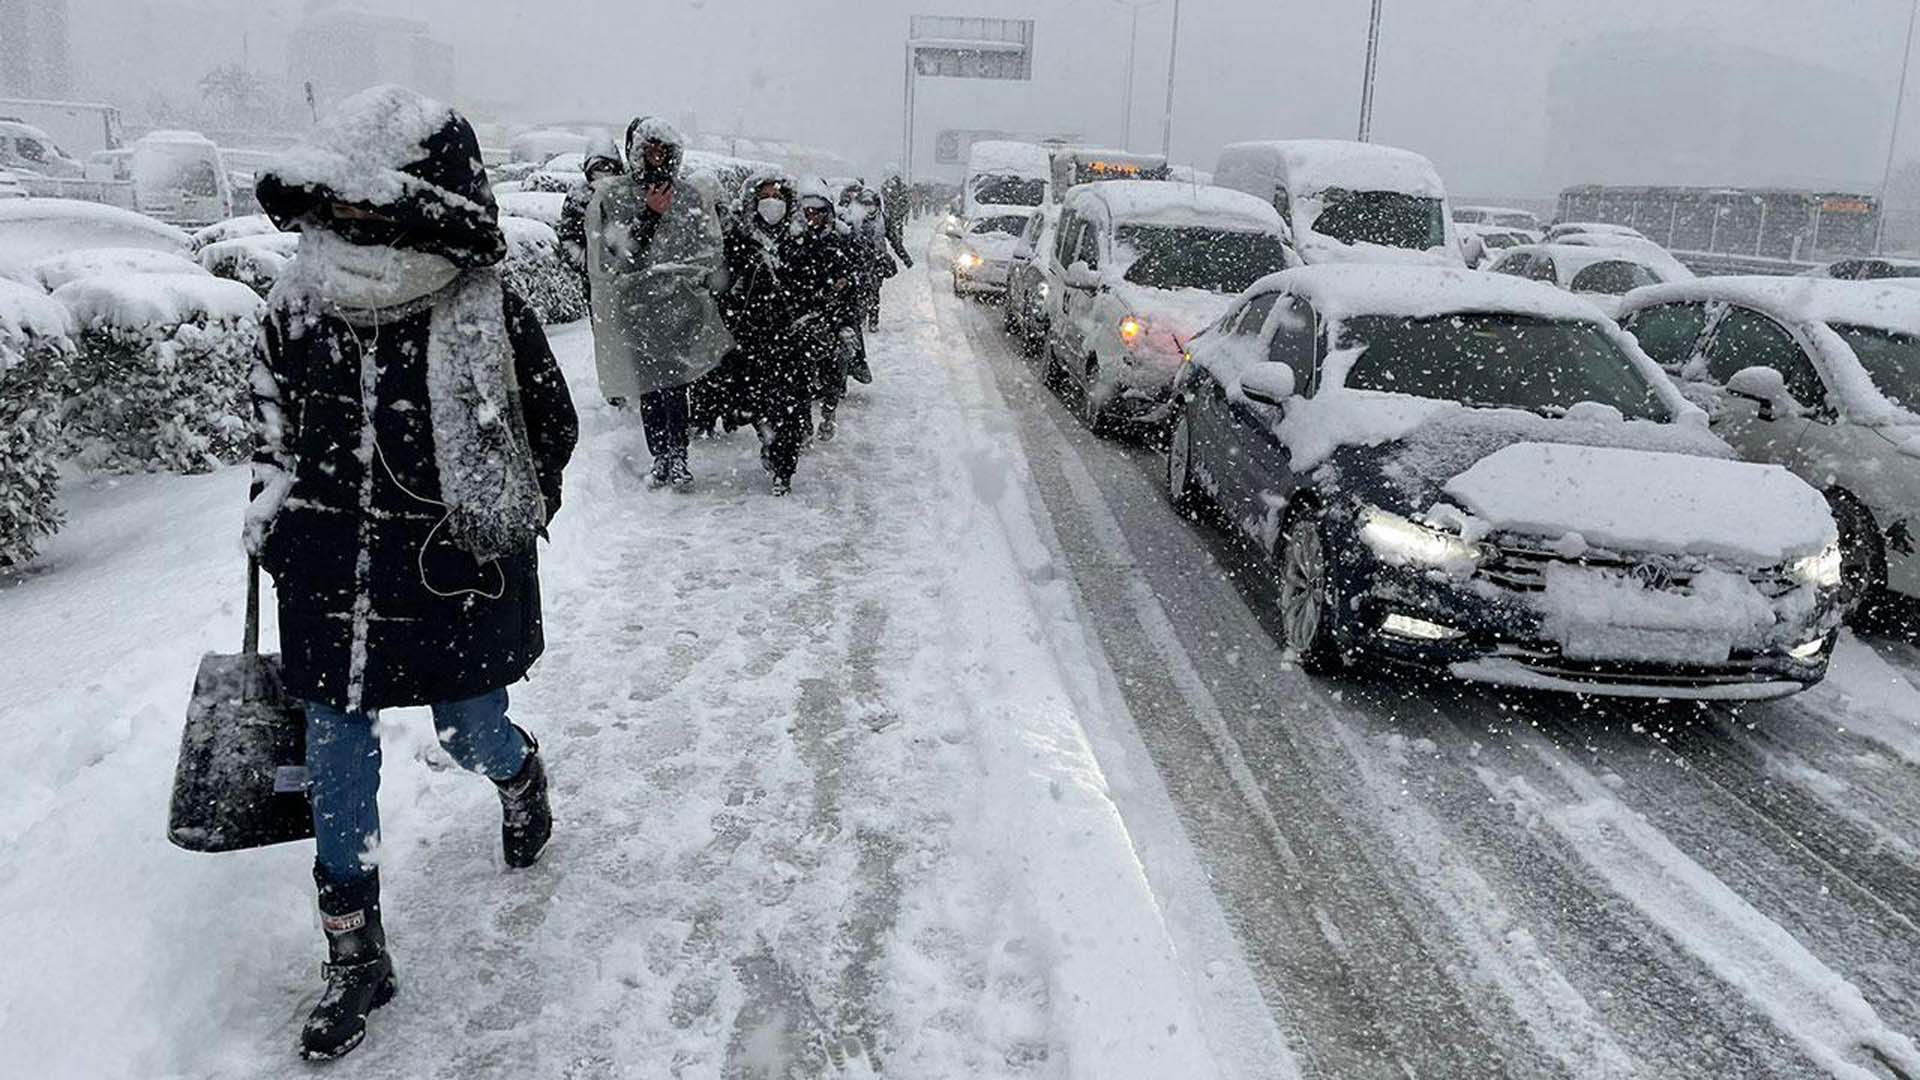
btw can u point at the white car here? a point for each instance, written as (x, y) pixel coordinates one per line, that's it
(1602, 275)
(1025, 308)
(1640, 248)
(32, 229)
(1822, 377)
(1569, 228)
(986, 251)
(1138, 268)
(1481, 244)
(1869, 268)
(1499, 217)
(1348, 201)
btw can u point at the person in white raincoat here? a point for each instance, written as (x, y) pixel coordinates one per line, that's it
(655, 261)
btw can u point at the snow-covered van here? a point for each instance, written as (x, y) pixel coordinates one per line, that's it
(25, 148)
(1485, 476)
(1010, 177)
(1348, 201)
(1138, 268)
(1822, 377)
(181, 178)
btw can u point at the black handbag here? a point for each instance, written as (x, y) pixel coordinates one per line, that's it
(241, 781)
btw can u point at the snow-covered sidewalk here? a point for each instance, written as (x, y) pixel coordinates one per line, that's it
(822, 792)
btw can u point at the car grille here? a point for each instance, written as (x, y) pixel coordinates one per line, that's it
(1522, 567)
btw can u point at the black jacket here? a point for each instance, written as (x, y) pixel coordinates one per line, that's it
(825, 269)
(377, 607)
(421, 647)
(761, 302)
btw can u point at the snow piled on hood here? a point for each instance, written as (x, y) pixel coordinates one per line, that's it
(1638, 500)
(136, 301)
(58, 270)
(358, 150)
(1340, 292)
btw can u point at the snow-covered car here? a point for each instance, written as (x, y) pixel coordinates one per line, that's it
(1563, 229)
(1871, 268)
(180, 177)
(1481, 244)
(1005, 177)
(32, 229)
(986, 252)
(1499, 217)
(1602, 275)
(1821, 377)
(1138, 268)
(1348, 201)
(1638, 248)
(1024, 311)
(1485, 476)
(11, 186)
(28, 149)
(57, 270)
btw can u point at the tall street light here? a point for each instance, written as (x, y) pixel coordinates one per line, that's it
(1893, 136)
(1173, 55)
(1373, 63)
(1133, 51)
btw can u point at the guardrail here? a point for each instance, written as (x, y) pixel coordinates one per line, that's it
(112, 192)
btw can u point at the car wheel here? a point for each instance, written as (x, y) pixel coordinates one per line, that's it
(1863, 560)
(1053, 373)
(1187, 496)
(1006, 315)
(1310, 609)
(956, 285)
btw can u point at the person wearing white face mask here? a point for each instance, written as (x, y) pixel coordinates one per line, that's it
(411, 429)
(764, 309)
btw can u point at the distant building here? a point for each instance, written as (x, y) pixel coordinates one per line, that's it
(35, 55)
(1679, 108)
(342, 50)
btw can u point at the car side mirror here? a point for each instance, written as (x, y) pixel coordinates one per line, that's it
(1268, 383)
(1766, 386)
(1079, 275)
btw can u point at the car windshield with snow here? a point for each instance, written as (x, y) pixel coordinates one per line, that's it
(985, 256)
(1821, 377)
(1348, 201)
(1485, 476)
(1138, 268)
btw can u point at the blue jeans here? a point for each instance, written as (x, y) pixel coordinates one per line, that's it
(343, 769)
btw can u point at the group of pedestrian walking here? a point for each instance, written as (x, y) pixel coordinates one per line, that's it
(756, 310)
(412, 429)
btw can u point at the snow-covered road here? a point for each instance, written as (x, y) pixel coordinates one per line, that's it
(969, 759)
(1434, 880)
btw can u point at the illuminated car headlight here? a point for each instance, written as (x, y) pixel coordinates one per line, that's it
(968, 260)
(1400, 542)
(1132, 329)
(1822, 570)
(1040, 291)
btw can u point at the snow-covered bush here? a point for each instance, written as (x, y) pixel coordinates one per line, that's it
(254, 261)
(57, 270)
(551, 180)
(161, 377)
(541, 206)
(540, 274)
(233, 229)
(35, 352)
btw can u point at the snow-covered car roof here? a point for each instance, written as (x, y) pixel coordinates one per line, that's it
(174, 138)
(1650, 253)
(1002, 156)
(1799, 299)
(1157, 202)
(1812, 307)
(1345, 290)
(1568, 228)
(1892, 261)
(1475, 208)
(1314, 165)
(1570, 259)
(31, 229)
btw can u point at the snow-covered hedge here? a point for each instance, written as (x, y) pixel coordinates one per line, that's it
(540, 274)
(161, 377)
(254, 261)
(35, 353)
(233, 229)
(549, 180)
(541, 206)
(57, 270)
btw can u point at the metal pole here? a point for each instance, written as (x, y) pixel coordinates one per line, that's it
(1373, 60)
(1133, 51)
(906, 156)
(1893, 136)
(1173, 54)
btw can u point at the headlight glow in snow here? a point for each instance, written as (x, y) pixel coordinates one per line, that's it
(1822, 570)
(1132, 329)
(1401, 542)
(968, 260)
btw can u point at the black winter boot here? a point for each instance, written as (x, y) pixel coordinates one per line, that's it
(526, 821)
(359, 972)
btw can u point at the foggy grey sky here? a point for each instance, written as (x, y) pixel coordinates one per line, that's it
(1463, 81)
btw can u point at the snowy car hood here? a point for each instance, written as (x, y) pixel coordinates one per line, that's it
(1906, 439)
(993, 247)
(1647, 501)
(1181, 313)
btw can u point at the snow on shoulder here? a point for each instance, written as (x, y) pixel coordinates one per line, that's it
(136, 301)
(357, 151)
(1160, 202)
(1642, 500)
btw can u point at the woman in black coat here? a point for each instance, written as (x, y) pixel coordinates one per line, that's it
(412, 431)
(762, 306)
